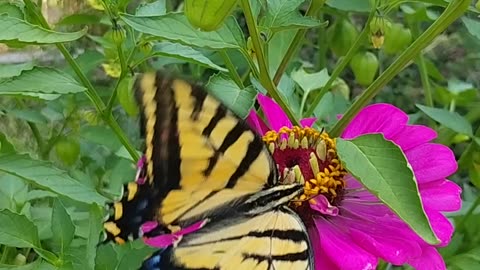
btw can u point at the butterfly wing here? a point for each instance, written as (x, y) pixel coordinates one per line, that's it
(203, 162)
(200, 156)
(275, 239)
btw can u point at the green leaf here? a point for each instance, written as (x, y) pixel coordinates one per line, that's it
(175, 27)
(41, 82)
(16, 30)
(155, 8)
(17, 230)
(6, 147)
(282, 15)
(76, 19)
(45, 175)
(349, 5)
(101, 135)
(310, 81)
(383, 169)
(106, 258)
(29, 115)
(131, 256)
(13, 192)
(452, 120)
(62, 226)
(11, 70)
(12, 10)
(95, 228)
(457, 87)
(473, 26)
(467, 260)
(183, 52)
(31, 266)
(238, 100)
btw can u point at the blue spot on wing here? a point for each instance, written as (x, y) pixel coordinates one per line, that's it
(153, 262)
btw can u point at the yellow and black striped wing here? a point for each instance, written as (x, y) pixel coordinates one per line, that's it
(200, 159)
(205, 163)
(275, 239)
(200, 156)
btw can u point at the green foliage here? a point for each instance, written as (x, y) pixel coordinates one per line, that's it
(69, 133)
(364, 156)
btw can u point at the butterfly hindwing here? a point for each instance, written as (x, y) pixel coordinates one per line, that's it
(275, 239)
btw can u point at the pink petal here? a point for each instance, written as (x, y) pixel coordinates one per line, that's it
(389, 247)
(429, 260)
(192, 228)
(344, 253)
(161, 241)
(322, 261)
(322, 205)
(441, 226)
(165, 240)
(441, 195)
(413, 136)
(308, 122)
(256, 123)
(148, 226)
(377, 118)
(276, 117)
(431, 162)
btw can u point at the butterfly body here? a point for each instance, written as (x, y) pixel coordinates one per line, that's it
(203, 163)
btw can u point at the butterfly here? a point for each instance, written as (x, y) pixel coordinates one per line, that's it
(204, 168)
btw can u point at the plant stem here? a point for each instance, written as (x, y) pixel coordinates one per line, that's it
(38, 138)
(91, 92)
(342, 64)
(35, 132)
(315, 5)
(422, 68)
(322, 45)
(453, 11)
(231, 68)
(264, 76)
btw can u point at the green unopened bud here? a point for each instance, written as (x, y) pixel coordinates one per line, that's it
(208, 15)
(146, 47)
(118, 34)
(477, 5)
(20, 259)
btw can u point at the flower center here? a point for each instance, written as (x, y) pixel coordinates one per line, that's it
(307, 156)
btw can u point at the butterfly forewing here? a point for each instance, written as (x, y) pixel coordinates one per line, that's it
(204, 157)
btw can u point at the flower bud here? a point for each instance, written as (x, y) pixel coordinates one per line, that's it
(378, 26)
(208, 15)
(118, 34)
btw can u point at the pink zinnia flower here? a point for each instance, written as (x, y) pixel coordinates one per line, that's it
(348, 226)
